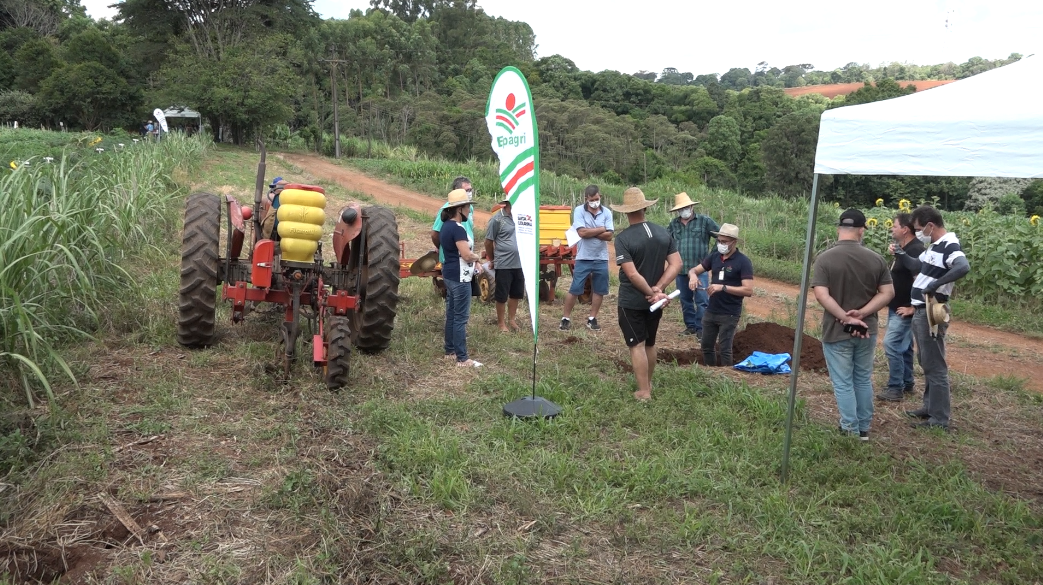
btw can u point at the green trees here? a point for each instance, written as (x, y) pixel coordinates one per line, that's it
(788, 153)
(723, 141)
(86, 94)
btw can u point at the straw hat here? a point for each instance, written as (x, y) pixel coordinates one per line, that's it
(457, 198)
(633, 200)
(682, 200)
(937, 313)
(728, 230)
(425, 263)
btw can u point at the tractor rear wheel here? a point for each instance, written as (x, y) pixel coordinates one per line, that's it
(338, 352)
(197, 296)
(374, 317)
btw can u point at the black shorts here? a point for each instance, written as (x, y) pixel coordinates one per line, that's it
(510, 283)
(639, 326)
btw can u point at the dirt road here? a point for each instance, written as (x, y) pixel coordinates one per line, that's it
(973, 350)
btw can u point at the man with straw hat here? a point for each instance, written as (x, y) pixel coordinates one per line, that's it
(642, 251)
(692, 232)
(852, 283)
(732, 281)
(941, 265)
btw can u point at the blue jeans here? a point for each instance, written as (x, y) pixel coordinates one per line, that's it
(850, 364)
(898, 345)
(457, 312)
(693, 303)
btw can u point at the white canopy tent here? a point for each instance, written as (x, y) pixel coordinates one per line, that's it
(988, 125)
(184, 112)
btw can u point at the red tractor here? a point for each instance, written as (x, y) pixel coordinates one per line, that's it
(349, 301)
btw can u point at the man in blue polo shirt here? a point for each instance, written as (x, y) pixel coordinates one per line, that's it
(594, 225)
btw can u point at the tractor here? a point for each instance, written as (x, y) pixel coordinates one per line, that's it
(349, 301)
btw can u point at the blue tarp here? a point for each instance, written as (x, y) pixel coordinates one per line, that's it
(765, 363)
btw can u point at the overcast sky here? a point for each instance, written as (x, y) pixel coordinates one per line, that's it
(712, 38)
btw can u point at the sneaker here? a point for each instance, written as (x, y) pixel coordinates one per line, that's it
(692, 332)
(848, 433)
(863, 436)
(908, 389)
(469, 364)
(592, 324)
(565, 324)
(920, 413)
(891, 395)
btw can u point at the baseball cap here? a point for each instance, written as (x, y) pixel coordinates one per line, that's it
(852, 218)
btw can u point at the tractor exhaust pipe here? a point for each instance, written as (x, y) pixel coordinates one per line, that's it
(258, 193)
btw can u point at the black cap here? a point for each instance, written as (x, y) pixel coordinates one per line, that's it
(852, 218)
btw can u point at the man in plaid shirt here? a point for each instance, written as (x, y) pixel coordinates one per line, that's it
(691, 231)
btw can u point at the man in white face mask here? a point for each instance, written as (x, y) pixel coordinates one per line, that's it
(691, 231)
(594, 225)
(731, 275)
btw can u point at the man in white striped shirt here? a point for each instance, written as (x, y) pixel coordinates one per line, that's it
(941, 265)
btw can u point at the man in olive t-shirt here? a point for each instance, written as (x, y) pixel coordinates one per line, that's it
(851, 283)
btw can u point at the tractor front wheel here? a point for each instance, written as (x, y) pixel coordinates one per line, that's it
(374, 317)
(197, 296)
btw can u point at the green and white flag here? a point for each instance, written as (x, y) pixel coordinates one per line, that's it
(512, 124)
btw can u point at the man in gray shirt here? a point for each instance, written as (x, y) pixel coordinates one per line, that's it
(501, 248)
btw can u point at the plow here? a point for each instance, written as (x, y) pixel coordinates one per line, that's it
(345, 300)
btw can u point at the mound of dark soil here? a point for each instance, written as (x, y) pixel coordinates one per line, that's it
(774, 338)
(762, 337)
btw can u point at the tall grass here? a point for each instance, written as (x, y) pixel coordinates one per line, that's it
(65, 229)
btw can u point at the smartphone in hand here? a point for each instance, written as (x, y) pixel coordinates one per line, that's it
(853, 328)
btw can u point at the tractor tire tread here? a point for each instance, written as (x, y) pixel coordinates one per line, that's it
(377, 320)
(197, 294)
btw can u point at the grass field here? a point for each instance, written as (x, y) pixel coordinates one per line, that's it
(412, 475)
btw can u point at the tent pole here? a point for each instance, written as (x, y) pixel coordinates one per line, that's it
(798, 338)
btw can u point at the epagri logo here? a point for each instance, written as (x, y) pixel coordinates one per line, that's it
(518, 140)
(508, 118)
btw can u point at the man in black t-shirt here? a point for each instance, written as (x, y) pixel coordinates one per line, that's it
(731, 279)
(645, 254)
(898, 342)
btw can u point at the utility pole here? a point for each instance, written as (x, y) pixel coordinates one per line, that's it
(336, 119)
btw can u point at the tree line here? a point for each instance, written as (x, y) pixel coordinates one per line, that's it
(418, 72)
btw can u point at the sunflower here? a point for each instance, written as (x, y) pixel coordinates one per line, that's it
(14, 165)
(95, 141)
(1034, 220)
(888, 223)
(880, 202)
(871, 222)
(835, 204)
(905, 205)
(966, 221)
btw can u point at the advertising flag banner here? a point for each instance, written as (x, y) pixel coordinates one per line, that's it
(512, 123)
(161, 118)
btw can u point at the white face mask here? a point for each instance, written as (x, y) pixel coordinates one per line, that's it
(925, 239)
(594, 204)
(687, 214)
(723, 248)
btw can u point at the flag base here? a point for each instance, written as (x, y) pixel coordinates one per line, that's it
(532, 407)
